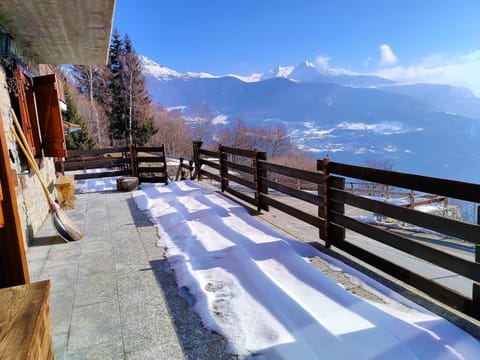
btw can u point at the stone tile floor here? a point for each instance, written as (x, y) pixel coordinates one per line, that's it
(112, 294)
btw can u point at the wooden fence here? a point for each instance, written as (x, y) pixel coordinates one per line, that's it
(146, 163)
(257, 176)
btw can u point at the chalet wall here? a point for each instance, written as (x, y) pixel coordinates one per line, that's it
(32, 203)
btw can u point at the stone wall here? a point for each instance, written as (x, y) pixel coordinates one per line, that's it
(32, 203)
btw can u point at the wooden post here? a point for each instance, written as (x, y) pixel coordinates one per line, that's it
(323, 210)
(179, 170)
(476, 286)
(132, 153)
(196, 158)
(223, 169)
(190, 168)
(13, 262)
(259, 174)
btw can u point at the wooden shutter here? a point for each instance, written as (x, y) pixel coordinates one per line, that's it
(49, 115)
(28, 113)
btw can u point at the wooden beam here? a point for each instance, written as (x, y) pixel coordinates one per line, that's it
(13, 262)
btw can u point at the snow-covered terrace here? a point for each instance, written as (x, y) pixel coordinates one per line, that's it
(268, 295)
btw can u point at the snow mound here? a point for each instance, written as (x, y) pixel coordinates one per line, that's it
(256, 288)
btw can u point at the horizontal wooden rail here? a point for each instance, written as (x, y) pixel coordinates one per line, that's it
(450, 188)
(209, 153)
(240, 167)
(290, 210)
(240, 195)
(432, 255)
(239, 152)
(210, 175)
(210, 163)
(442, 293)
(462, 230)
(239, 180)
(96, 152)
(305, 175)
(95, 164)
(101, 175)
(305, 196)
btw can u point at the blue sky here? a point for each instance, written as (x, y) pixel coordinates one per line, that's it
(405, 40)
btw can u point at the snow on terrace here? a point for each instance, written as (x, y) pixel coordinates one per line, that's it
(256, 288)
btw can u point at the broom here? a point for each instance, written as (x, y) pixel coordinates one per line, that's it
(65, 227)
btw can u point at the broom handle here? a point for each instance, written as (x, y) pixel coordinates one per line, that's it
(30, 159)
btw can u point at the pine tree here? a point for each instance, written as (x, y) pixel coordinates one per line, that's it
(140, 125)
(116, 89)
(78, 140)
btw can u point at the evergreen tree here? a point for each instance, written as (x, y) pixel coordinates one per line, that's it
(78, 140)
(118, 106)
(140, 124)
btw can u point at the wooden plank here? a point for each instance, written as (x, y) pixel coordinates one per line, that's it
(432, 288)
(149, 159)
(209, 163)
(434, 256)
(95, 164)
(211, 153)
(301, 215)
(455, 189)
(158, 149)
(310, 198)
(101, 175)
(313, 177)
(239, 152)
(96, 152)
(462, 230)
(241, 196)
(210, 175)
(152, 169)
(13, 262)
(240, 167)
(152, 179)
(239, 180)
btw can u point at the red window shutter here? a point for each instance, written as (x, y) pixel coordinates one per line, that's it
(49, 115)
(28, 114)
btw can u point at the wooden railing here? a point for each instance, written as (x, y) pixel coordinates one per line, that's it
(257, 176)
(146, 163)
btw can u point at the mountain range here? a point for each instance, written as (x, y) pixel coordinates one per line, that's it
(426, 129)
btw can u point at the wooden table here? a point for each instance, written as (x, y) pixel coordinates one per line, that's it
(25, 322)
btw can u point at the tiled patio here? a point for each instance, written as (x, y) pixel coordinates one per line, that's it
(112, 294)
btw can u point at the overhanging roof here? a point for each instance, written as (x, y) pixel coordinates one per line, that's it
(60, 31)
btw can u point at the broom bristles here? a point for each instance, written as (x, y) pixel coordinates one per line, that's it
(66, 227)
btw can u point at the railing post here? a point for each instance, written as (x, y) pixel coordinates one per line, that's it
(196, 158)
(259, 174)
(179, 170)
(223, 169)
(476, 286)
(190, 168)
(131, 151)
(323, 210)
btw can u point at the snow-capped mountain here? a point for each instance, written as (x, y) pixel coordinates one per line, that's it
(160, 72)
(425, 129)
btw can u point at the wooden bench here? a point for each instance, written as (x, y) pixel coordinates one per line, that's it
(25, 322)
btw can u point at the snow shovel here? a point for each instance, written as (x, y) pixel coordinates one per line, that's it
(65, 227)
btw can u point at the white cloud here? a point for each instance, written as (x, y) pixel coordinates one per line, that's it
(322, 63)
(387, 56)
(439, 69)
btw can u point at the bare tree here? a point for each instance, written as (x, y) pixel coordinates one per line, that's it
(202, 126)
(174, 133)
